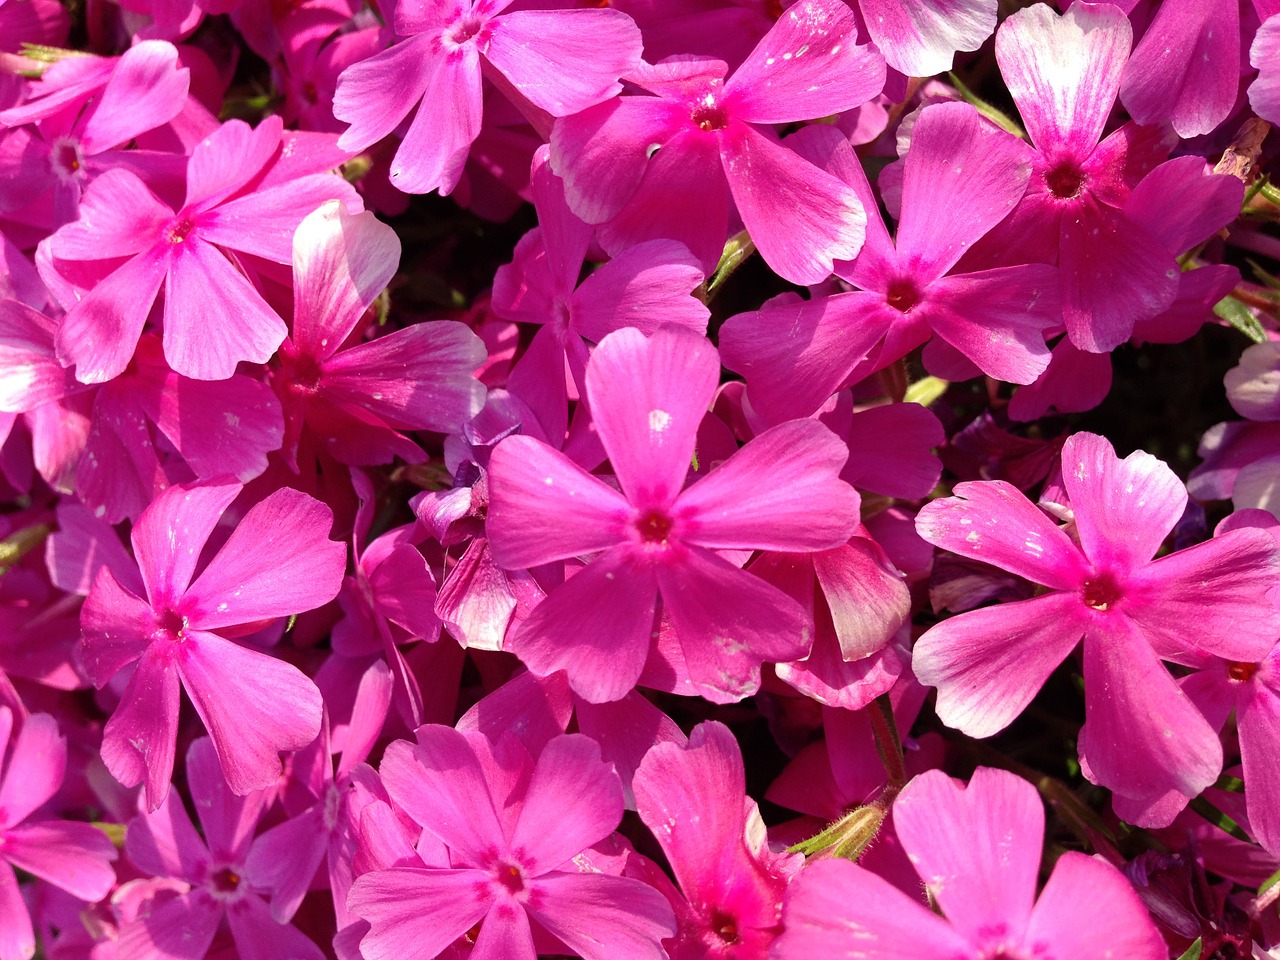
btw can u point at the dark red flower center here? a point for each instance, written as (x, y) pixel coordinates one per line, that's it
(902, 295)
(509, 876)
(225, 880)
(466, 29)
(1240, 671)
(179, 230)
(725, 927)
(708, 115)
(66, 157)
(654, 527)
(172, 624)
(1101, 591)
(1065, 180)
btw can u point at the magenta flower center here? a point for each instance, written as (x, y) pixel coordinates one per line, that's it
(510, 876)
(725, 927)
(466, 29)
(1240, 671)
(1065, 180)
(179, 229)
(302, 371)
(66, 158)
(1100, 591)
(708, 115)
(654, 527)
(225, 881)
(902, 295)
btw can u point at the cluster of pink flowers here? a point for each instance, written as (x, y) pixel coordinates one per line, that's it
(697, 531)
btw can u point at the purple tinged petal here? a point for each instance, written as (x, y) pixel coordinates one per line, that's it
(603, 151)
(117, 627)
(648, 396)
(683, 197)
(781, 491)
(395, 903)
(796, 354)
(564, 61)
(993, 521)
(140, 739)
(279, 561)
(228, 159)
(17, 939)
(30, 374)
(997, 318)
(179, 928)
(597, 627)
(1264, 54)
(418, 378)
(213, 316)
(600, 917)
(73, 856)
(801, 218)
(264, 221)
(989, 881)
(341, 262)
(565, 237)
(1142, 737)
(645, 286)
(147, 89)
(1114, 274)
(573, 800)
(1123, 508)
(728, 622)
(544, 507)
(99, 333)
(1207, 202)
(1253, 384)
(259, 936)
(891, 450)
(441, 784)
(690, 798)
(831, 902)
(807, 66)
(989, 663)
(164, 843)
(1258, 721)
(868, 599)
(1073, 382)
(170, 534)
(1183, 70)
(1119, 923)
(962, 176)
(374, 95)
(920, 39)
(81, 546)
(435, 147)
(34, 768)
(254, 706)
(285, 859)
(1211, 597)
(1063, 71)
(119, 217)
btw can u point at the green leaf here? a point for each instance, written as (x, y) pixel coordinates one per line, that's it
(1219, 819)
(926, 391)
(1241, 317)
(1193, 951)
(994, 114)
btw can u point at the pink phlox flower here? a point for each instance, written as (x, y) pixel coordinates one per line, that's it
(242, 198)
(654, 539)
(32, 21)
(644, 287)
(962, 176)
(356, 397)
(81, 123)
(211, 877)
(512, 828)
(1064, 72)
(920, 38)
(692, 797)
(115, 455)
(716, 152)
(557, 61)
(977, 849)
(388, 602)
(1185, 70)
(1240, 460)
(75, 857)
(1264, 54)
(279, 561)
(1142, 738)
